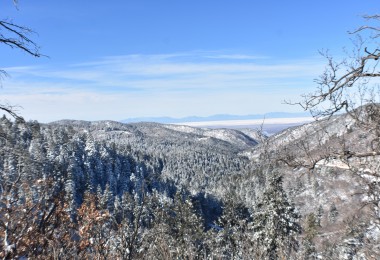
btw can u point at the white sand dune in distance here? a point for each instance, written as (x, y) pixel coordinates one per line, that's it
(267, 121)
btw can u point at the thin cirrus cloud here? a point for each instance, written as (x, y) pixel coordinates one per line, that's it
(159, 85)
(236, 57)
(149, 72)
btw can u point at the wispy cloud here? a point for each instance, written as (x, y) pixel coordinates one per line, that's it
(179, 84)
(236, 57)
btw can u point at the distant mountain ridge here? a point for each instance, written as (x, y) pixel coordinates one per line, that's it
(219, 117)
(328, 170)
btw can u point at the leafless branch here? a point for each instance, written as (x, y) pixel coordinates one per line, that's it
(16, 36)
(341, 77)
(12, 111)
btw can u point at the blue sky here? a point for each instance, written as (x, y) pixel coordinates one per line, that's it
(134, 58)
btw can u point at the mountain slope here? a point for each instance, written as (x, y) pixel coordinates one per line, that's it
(329, 170)
(194, 158)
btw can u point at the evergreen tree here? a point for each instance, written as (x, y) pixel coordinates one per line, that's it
(310, 231)
(131, 216)
(275, 224)
(182, 228)
(333, 213)
(229, 239)
(187, 226)
(320, 215)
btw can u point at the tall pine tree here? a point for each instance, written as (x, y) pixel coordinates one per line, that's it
(275, 222)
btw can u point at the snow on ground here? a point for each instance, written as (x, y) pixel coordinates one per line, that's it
(335, 163)
(221, 134)
(184, 129)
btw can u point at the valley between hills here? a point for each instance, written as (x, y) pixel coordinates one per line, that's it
(150, 190)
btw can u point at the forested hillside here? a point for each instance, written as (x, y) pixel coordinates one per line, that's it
(50, 173)
(109, 190)
(76, 189)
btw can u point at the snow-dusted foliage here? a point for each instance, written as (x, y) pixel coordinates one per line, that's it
(276, 221)
(88, 190)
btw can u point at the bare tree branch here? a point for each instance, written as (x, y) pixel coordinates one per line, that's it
(11, 110)
(341, 78)
(16, 37)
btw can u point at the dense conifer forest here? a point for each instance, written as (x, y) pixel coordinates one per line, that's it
(107, 190)
(76, 189)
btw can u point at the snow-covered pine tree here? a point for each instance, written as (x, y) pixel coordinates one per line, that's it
(186, 228)
(310, 231)
(229, 239)
(275, 223)
(333, 213)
